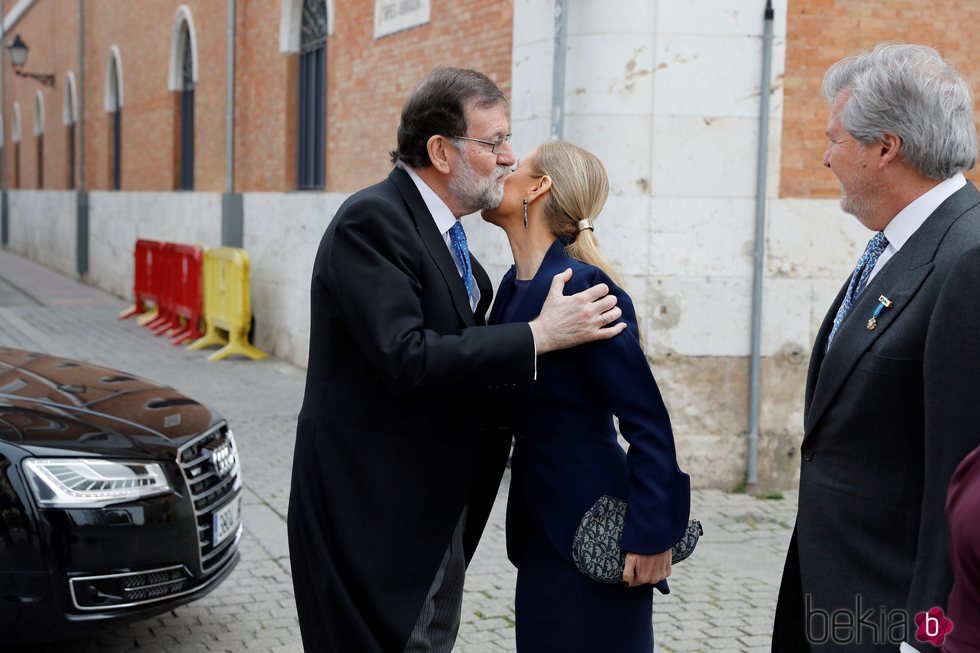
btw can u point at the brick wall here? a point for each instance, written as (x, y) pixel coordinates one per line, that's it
(819, 32)
(367, 81)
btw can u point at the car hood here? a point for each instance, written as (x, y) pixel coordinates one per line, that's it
(56, 406)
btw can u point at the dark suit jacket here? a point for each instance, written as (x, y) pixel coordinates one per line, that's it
(389, 445)
(566, 454)
(889, 413)
(963, 515)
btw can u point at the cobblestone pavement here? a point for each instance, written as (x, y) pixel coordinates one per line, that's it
(722, 598)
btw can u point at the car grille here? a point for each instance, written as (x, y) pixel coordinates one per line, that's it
(128, 589)
(154, 585)
(211, 468)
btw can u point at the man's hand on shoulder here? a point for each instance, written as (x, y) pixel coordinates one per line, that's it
(566, 321)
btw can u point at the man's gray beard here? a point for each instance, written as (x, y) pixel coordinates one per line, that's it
(861, 206)
(473, 192)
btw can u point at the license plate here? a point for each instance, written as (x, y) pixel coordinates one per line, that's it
(226, 521)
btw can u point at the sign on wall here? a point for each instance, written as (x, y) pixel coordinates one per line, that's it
(392, 16)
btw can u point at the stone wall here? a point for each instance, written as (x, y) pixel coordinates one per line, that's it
(118, 219)
(44, 228)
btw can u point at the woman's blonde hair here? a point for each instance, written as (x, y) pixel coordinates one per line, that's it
(579, 188)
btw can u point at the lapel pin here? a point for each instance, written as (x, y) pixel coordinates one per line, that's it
(883, 303)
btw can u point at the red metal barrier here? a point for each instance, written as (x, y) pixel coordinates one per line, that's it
(145, 277)
(187, 304)
(170, 276)
(166, 316)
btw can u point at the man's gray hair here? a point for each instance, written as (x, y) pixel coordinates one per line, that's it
(911, 91)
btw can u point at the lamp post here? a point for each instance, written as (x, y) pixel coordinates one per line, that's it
(18, 57)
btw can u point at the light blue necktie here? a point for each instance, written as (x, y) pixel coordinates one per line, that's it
(458, 238)
(859, 279)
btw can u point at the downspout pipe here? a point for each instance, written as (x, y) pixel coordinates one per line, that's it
(81, 95)
(232, 211)
(758, 254)
(558, 71)
(230, 106)
(4, 227)
(81, 196)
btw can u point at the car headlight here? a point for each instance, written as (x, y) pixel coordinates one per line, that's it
(92, 483)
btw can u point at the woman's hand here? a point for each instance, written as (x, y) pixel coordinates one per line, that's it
(646, 569)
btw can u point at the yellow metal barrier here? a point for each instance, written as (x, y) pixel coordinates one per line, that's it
(227, 308)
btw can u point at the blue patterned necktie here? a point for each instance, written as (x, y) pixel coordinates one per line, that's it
(458, 238)
(859, 279)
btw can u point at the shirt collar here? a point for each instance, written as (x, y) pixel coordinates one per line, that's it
(441, 214)
(909, 219)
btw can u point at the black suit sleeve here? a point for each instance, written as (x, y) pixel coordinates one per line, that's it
(952, 421)
(373, 274)
(659, 492)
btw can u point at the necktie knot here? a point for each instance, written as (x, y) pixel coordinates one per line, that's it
(859, 279)
(458, 239)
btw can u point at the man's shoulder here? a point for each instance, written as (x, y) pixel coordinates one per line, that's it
(384, 196)
(966, 261)
(963, 234)
(377, 207)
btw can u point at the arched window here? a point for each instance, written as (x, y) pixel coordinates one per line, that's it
(15, 137)
(39, 136)
(182, 79)
(114, 106)
(69, 117)
(311, 136)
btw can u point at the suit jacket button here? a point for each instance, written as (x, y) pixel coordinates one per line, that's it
(808, 454)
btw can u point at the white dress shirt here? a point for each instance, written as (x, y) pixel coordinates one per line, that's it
(444, 220)
(909, 219)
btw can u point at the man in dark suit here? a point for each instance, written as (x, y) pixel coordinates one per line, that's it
(892, 391)
(394, 470)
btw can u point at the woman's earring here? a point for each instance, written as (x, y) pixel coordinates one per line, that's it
(525, 213)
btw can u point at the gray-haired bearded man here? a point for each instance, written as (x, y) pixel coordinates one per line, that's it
(893, 390)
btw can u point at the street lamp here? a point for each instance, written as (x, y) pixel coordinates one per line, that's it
(18, 57)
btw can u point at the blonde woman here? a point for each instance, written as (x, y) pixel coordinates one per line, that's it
(566, 455)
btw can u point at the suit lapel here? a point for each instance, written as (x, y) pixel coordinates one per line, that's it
(435, 244)
(853, 338)
(898, 280)
(820, 350)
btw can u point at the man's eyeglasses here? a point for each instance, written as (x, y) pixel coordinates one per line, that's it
(495, 146)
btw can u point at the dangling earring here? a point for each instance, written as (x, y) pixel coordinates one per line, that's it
(525, 213)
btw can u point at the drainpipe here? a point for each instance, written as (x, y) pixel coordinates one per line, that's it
(558, 71)
(230, 108)
(81, 197)
(81, 95)
(4, 228)
(758, 254)
(232, 219)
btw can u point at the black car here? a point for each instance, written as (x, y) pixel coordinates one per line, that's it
(119, 498)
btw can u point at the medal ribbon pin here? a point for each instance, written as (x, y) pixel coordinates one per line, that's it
(883, 303)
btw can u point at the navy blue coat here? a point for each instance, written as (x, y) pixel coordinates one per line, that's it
(566, 453)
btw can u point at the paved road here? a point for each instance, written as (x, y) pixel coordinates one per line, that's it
(722, 598)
